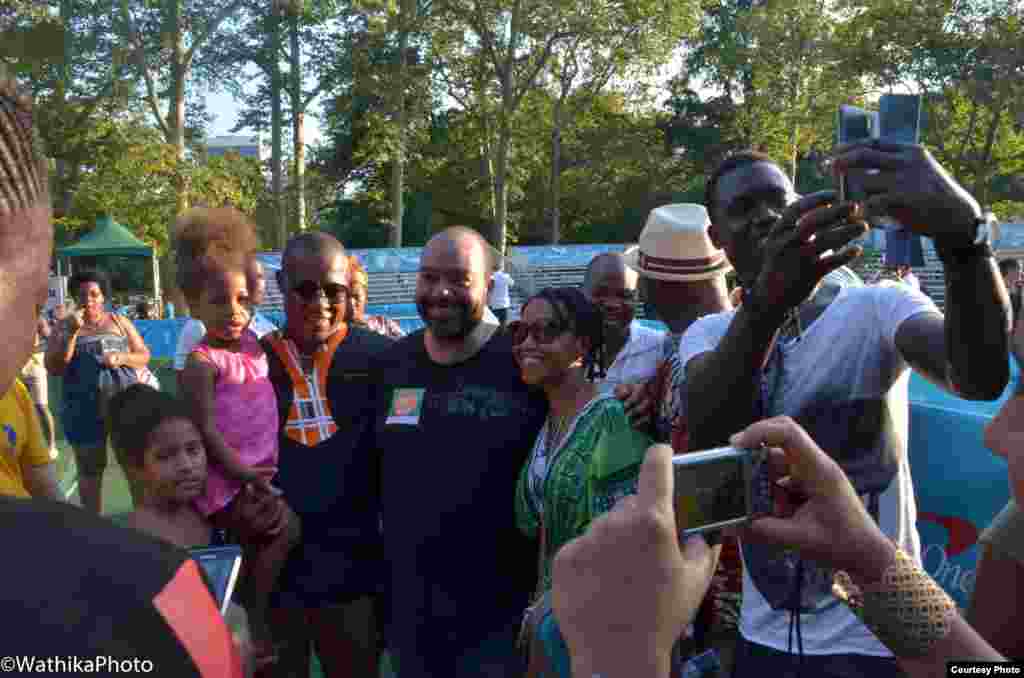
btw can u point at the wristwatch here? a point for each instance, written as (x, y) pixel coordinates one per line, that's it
(983, 227)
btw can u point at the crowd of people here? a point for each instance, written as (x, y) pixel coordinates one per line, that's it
(483, 499)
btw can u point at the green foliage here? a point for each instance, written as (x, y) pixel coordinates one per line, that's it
(472, 96)
(134, 177)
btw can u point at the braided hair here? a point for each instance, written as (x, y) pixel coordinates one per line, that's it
(23, 169)
(583, 318)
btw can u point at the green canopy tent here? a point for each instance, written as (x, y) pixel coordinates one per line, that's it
(111, 239)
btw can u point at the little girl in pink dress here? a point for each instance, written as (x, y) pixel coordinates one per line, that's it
(235, 407)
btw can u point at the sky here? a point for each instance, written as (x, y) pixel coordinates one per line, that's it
(225, 111)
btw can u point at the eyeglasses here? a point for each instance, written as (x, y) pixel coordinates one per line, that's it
(542, 333)
(310, 291)
(618, 295)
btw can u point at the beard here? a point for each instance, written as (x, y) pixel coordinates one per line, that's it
(461, 320)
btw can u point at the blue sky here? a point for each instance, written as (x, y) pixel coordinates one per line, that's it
(225, 110)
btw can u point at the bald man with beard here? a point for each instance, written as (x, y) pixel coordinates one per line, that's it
(453, 438)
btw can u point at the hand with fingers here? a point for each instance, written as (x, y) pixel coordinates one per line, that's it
(638, 402)
(74, 322)
(905, 182)
(817, 503)
(811, 239)
(625, 591)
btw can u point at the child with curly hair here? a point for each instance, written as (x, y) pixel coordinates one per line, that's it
(233, 402)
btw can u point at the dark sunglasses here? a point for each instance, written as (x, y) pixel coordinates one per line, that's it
(310, 291)
(542, 333)
(621, 295)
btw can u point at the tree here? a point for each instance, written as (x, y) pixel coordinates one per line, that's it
(494, 52)
(780, 67)
(167, 39)
(68, 55)
(390, 70)
(619, 41)
(135, 178)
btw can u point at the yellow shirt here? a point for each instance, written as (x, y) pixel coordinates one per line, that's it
(21, 440)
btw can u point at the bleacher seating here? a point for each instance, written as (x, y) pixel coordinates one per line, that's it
(931, 277)
(392, 273)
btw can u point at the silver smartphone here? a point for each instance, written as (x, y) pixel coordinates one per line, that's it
(721, 487)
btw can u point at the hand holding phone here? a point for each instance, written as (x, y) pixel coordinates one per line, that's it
(630, 567)
(823, 504)
(721, 488)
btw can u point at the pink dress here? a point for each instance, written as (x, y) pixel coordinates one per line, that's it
(245, 410)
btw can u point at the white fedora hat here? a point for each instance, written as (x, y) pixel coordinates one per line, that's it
(675, 245)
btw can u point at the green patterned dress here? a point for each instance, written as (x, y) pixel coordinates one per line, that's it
(597, 462)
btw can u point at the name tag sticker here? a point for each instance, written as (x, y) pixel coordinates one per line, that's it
(406, 405)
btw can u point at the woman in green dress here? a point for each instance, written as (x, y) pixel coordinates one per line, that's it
(587, 455)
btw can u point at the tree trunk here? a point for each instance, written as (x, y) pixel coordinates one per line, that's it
(487, 164)
(793, 161)
(176, 109)
(498, 228)
(63, 192)
(401, 122)
(298, 125)
(981, 187)
(556, 162)
(276, 124)
(398, 182)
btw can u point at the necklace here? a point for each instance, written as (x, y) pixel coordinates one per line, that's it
(556, 429)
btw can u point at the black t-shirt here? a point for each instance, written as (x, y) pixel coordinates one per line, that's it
(77, 587)
(454, 439)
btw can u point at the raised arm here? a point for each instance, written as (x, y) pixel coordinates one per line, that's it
(722, 387)
(61, 349)
(722, 384)
(966, 353)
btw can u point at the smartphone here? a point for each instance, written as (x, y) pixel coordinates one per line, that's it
(900, 118)
(721, 487)
(854, 124)
(220, 566)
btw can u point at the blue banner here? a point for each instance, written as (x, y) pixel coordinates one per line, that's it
(960, 485)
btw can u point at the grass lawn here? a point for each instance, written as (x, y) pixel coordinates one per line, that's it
(117, 497)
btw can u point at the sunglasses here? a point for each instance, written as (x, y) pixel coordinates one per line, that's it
(542, 333)
(310, 291)
(621, 295)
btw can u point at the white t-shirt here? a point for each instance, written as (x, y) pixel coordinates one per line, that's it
(260, 325)
(194, 331)
(638, 360)
(499, 296)
(912, 280)
(191, 334)
(846, 382)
